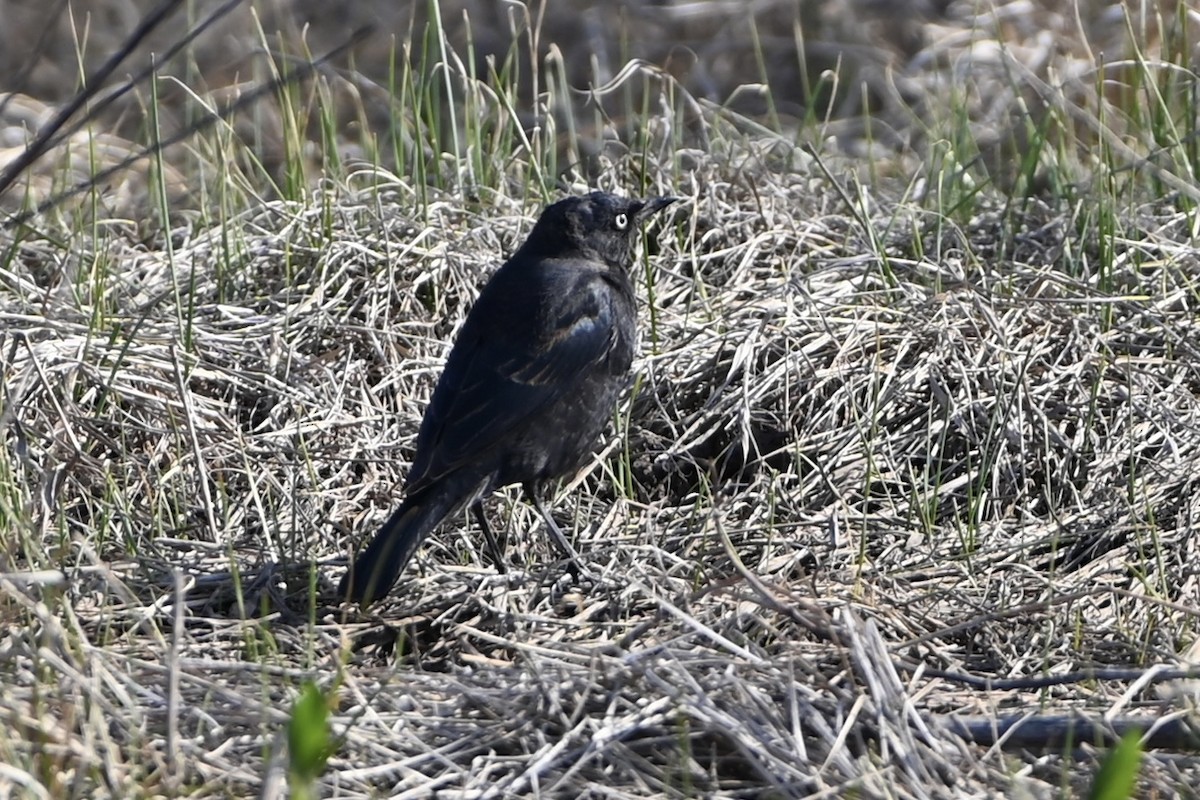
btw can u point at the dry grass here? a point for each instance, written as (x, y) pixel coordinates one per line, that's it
(879, 453)
(992, 485)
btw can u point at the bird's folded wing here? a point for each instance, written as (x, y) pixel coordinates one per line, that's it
(493, 384)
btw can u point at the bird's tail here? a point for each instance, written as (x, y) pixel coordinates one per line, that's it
(377, 567)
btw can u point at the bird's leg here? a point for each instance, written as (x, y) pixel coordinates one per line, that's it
(493, 547)
(535, 497)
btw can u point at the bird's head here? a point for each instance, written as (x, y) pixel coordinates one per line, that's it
(596, 225)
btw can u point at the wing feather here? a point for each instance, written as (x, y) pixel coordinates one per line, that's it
(492, 384)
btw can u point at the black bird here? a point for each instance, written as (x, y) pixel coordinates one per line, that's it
(529, 385)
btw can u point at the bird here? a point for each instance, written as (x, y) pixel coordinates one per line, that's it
(529, 384)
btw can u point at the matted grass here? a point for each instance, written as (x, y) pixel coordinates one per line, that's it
(904, 460)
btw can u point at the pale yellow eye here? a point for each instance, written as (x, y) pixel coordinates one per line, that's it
(621, 221)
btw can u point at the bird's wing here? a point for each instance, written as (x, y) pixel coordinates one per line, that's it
(506, 367)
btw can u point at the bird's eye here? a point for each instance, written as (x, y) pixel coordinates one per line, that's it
(621, 221)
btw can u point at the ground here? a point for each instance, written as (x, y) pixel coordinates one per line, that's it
(902, 489)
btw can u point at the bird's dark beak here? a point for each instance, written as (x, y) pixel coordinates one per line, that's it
(653, 206)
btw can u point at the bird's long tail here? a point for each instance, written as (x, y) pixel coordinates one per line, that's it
(377, 567)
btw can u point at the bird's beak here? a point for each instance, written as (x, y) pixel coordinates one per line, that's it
(653, 206)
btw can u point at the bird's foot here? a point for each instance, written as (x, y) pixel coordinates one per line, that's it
(579, 575)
